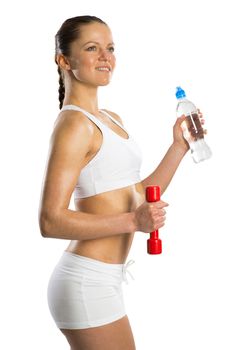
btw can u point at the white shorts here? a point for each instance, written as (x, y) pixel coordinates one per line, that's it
(84, 292)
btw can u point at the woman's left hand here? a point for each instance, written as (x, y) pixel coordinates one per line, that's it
(178, 138)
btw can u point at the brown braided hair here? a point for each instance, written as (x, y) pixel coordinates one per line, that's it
(67, 34)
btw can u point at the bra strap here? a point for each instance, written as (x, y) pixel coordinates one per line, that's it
(89, 115)
(114, 120)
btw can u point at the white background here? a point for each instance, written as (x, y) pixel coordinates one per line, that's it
(182, 299)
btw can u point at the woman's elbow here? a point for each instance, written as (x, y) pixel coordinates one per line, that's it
(45, 224)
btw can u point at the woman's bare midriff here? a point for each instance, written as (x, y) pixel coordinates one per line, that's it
(113, 249)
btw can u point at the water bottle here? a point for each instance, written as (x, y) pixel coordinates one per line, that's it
(192, 128)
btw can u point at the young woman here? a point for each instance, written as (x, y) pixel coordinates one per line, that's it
(92, 154)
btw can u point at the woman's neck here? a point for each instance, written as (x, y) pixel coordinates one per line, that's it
(82, 96)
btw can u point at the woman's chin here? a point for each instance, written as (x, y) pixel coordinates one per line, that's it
(104, 82)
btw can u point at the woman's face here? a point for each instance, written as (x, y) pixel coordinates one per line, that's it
(92, 55)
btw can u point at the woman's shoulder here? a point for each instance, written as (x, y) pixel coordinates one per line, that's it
(71, 125)
(72, 119)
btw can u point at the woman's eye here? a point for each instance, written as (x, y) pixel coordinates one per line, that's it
(91, 48)
(94, 48)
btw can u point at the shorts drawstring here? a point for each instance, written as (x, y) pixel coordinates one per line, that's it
(125, 271)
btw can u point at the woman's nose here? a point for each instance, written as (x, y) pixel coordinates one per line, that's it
(104, 55)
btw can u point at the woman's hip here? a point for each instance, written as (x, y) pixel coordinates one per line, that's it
(84, 292)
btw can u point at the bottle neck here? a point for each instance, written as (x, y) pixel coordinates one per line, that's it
(181, 99)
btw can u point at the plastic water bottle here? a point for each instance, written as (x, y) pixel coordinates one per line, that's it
(192, 128)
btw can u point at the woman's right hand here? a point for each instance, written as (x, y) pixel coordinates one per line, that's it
(150, 216)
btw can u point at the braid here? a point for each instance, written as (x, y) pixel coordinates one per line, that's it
(61, 89)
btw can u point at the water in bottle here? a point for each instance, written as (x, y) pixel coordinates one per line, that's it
(192, 128)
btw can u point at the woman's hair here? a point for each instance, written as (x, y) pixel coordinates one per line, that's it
(67, 34)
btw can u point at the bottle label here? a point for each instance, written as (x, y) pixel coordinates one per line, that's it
(192, 128)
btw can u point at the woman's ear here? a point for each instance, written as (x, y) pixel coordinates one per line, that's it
(62, 62)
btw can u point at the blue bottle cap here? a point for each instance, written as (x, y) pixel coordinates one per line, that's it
(180, 92)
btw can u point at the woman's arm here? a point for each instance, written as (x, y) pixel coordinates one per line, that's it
(165, 171)
(76, 225)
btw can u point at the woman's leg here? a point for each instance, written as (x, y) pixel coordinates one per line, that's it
(113, 336)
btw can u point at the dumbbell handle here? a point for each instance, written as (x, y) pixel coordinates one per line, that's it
(154, 243)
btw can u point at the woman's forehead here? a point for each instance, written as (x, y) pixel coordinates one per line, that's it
(95, 32)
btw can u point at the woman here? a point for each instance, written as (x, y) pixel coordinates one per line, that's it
(92, 154)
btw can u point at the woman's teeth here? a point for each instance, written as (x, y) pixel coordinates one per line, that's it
(103, 69)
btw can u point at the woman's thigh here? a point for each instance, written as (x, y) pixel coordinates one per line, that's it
(113, 336)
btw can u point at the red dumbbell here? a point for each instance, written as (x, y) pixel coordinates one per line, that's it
(154, 243)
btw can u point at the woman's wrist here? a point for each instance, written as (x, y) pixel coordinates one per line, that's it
(180, 148)
(133, 227)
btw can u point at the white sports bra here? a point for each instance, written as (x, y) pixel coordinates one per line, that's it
(116, 164)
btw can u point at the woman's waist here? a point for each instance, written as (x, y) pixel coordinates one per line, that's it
(112, 250)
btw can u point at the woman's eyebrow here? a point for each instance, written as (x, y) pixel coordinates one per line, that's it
(96, 42)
